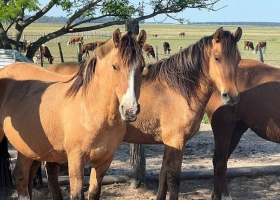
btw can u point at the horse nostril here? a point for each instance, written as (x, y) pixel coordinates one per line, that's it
(138, 109)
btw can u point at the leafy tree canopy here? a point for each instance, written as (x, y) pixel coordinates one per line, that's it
(12, 15)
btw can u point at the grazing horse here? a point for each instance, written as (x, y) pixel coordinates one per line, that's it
(45, 51)
(248, 45)
(181, 85)
(39, 111)
(182, 34)
(257, 109)
(75, 39)
(149, 50)
(90, 47)
(261, 45)
(166, 47)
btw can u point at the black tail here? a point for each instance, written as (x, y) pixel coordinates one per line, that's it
(5, 165)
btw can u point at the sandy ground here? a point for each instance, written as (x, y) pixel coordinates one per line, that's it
(251, 152)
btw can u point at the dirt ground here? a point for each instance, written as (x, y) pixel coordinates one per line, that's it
(251, 152)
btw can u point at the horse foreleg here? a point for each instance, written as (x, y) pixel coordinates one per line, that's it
(96, 176)
(33, 169)
(76, 175)
(170, 173)
(21, 176)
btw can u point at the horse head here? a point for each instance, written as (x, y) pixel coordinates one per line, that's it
(224, 58)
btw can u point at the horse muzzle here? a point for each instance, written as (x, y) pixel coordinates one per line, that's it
(129, 114)
(229, 100)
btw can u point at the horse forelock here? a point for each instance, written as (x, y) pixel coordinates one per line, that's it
(128, 50)
(229, 47)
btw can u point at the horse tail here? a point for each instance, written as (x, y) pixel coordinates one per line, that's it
(5, 165)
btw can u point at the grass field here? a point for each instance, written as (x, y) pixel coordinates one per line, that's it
(169, 33)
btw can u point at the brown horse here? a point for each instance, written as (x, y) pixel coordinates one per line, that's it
(259, 86)
(90, 47)
(78, 118)
(45, 51)
(248, 45)
(149, 50)
(75, 39)
(261, 45)
(181, 85)
(182, 34)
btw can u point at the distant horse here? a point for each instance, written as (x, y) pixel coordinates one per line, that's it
(182, 34)
(155, 35)
(181, 85)
(39, 111)
(257, 109)
(166, 47)
(248, 45)
(90, 47)
(75, 39)
(149, 50)
(261, 45)
(45, 51)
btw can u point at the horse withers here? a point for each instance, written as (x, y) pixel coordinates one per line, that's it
(181, 85)
(39, 111)
(257, 109)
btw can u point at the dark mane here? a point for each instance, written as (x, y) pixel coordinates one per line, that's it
(182, 71)
(128, 51)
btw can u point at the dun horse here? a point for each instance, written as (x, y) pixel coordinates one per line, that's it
(181, 87)
(259, 86)
(78, 118)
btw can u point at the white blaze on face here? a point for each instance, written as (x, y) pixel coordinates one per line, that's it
(129, 98)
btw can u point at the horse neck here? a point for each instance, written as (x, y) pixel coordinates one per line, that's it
(100, 93)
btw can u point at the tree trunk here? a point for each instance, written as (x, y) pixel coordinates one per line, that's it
(4, 40)
(137, 151)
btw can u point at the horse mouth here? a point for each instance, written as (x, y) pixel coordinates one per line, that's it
(129, 115)
(231, 101)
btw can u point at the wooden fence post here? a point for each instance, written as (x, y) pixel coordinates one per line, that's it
(137, 151)
(261, 55)
(41, 57)
(80, 53)
(156, 53)
(60, 52)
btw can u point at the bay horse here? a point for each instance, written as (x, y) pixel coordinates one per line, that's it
(76, 118)
(45, 51)
(149, 50)
(248, 45)
(182, 34)
(257, 109)
(166, 48)
(181, 85)
(75, 39)
(90, 47)
(260, 46)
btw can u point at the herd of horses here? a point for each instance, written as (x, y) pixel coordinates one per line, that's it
(261, 45)
(48, 115)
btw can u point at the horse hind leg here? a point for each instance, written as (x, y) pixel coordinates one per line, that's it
(52, 171)
(6, 179)
(21, 176)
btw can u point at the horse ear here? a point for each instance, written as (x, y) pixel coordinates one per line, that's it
(117, 37)
(141, 38)
(237, 35)
(219, 33)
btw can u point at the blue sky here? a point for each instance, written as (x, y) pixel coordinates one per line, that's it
(236, 10)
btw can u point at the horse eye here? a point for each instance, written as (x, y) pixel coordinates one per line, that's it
(115, 68)
(217, 59)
